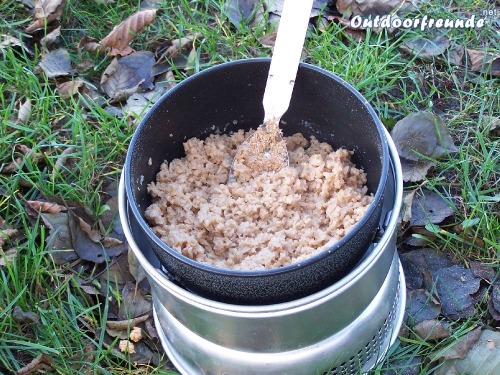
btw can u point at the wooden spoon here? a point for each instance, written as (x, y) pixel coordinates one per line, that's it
(265, 149)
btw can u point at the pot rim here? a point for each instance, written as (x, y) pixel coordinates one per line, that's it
(355, 275)
(378, 196)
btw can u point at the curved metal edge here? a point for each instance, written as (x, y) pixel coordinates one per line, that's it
(205, 303)
(302, 360)
(378, 197)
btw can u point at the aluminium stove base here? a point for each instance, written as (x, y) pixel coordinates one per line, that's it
(356, 348)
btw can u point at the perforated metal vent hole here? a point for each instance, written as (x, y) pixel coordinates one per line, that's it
(371, 348)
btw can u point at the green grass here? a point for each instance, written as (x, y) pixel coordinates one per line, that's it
(393, 82)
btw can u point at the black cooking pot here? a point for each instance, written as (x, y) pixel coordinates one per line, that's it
(229, 96)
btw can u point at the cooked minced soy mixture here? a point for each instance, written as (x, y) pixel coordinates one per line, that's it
(260, 220)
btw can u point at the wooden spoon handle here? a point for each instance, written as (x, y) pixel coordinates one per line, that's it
(286, 57)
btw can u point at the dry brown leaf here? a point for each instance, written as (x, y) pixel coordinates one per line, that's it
(46, 11)
(92, 233)
(24, 111)
(91, 45)
(134, 302)
(47, 207)
(14, 165)
(11, 167)
(414, 171)
(8, 256)
(407, 201)
(71, 88)
(374, 7)
(51, 37)
(178, 44)
(122, 325)
(61, 160)
(128, 75)
(7, 235)
(484, 62)
(483, 357)
(40, 363)
(432, 329)
(111, 242)
(461, 346)
(121, 36)
(268, 40)
(151, 330)
(21, 316)
(122, 335)
(135, 267)
(10, 41)
(56, 63)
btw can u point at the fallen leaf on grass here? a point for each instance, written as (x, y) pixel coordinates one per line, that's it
(242, 12)
(422, 133)
(72, 88)
(138, 104)
(483, 271)
(405, 214)
(41, 363)
(416, 262)
(121, 36)
(374, 7)
(180, 44)
(85, 247)
(8, 256)
(93, 234)
(460, 348)
(46, 11)
(484, 62)
(16, 164)
(117, 273)
(483, 358)
(6, 234)
(421, 305)
(429, 207)
(58, 241)
(458, 290)
(426, 48)
(51, 37)
(456, 54)
(88, 288)
(268, 40)
(490, 124)
(135, 268)
(24, 317)
(56, 63)
(93, 45)
(414, 171)
(494, 301)
(124, 325)
(122, 335)
(128, 75)
(432, 329)
(133, 302)
(145, 356)
(61, 161)
(24, 111)
(151, 330)
(46, 207)
(10, 41)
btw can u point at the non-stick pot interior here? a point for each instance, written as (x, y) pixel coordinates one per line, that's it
(228, 97)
